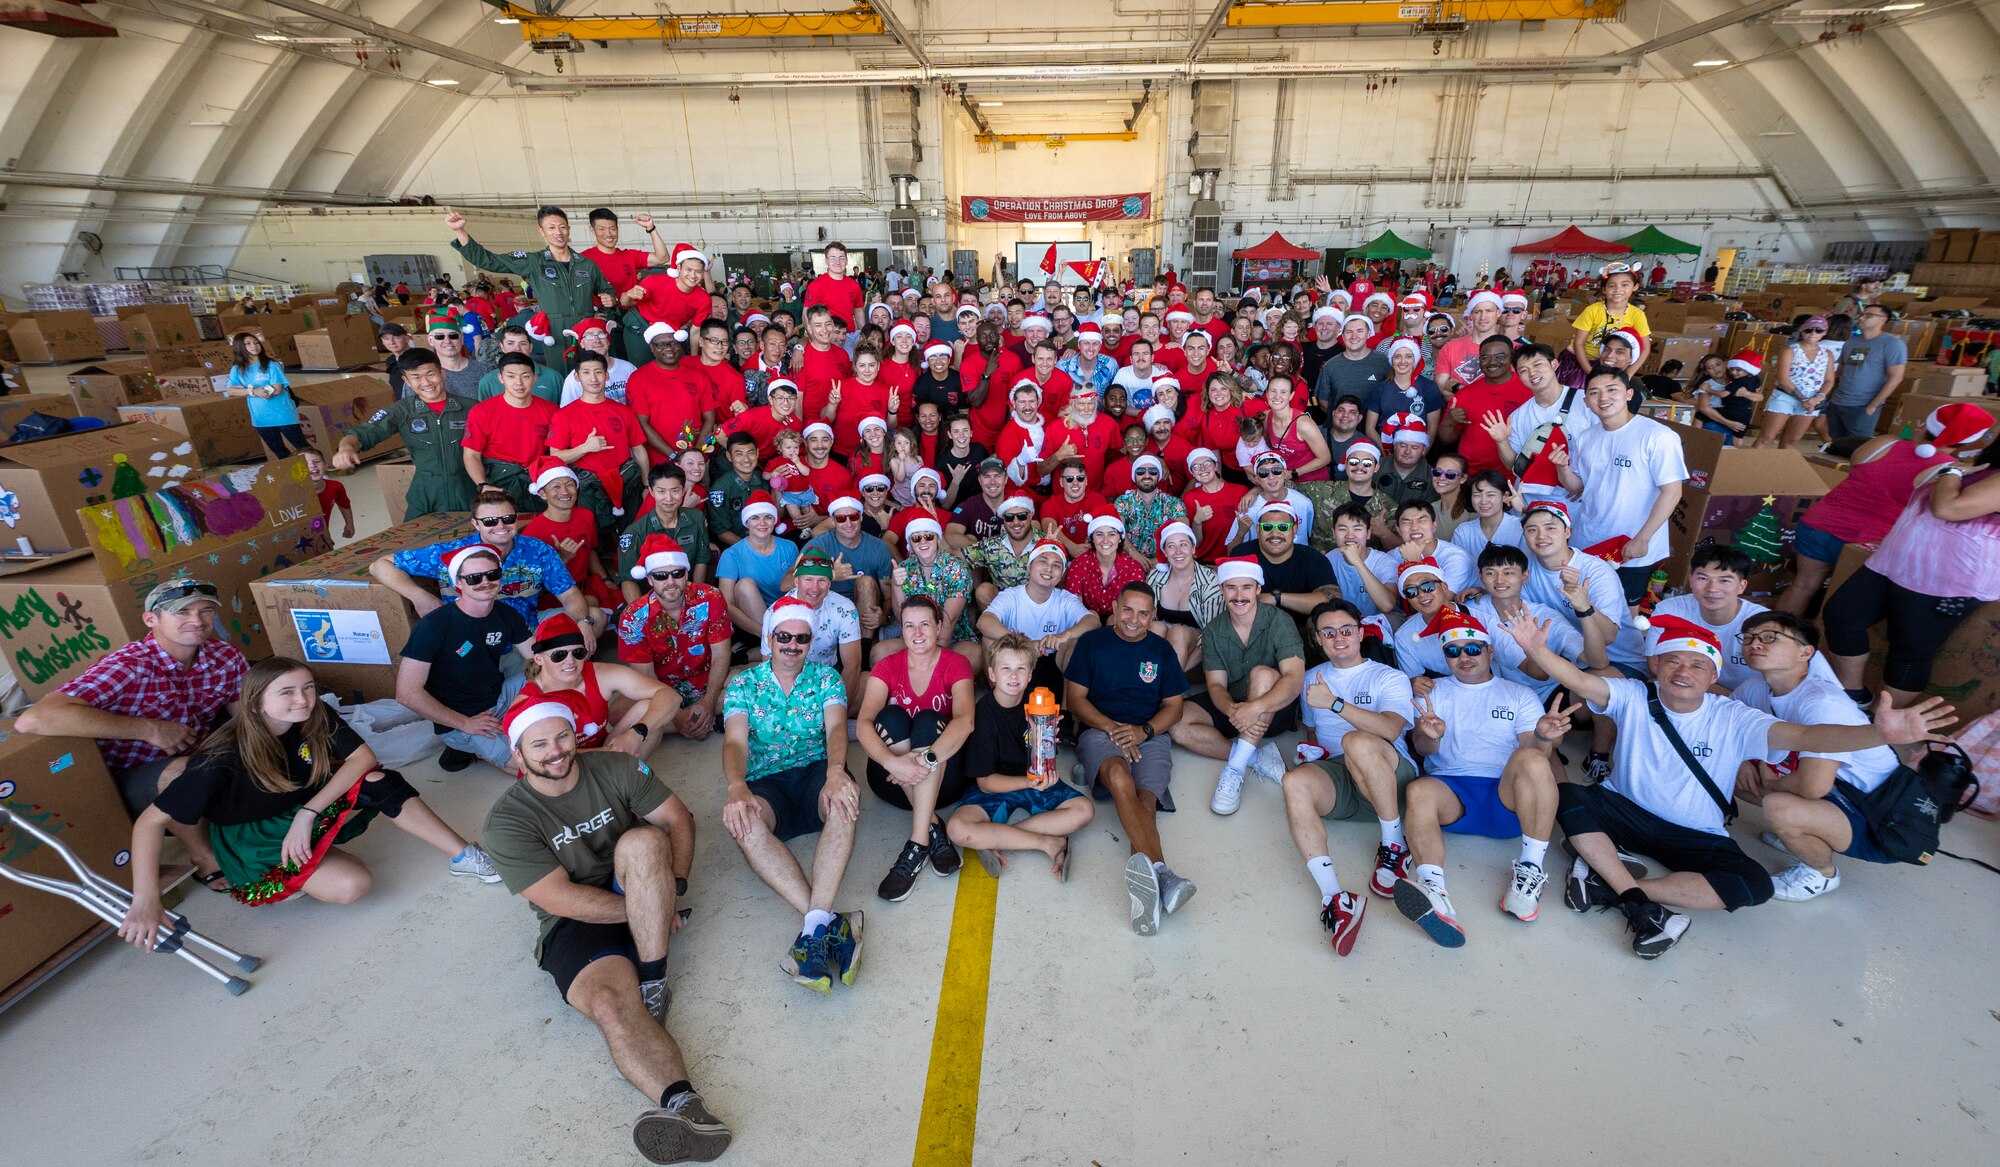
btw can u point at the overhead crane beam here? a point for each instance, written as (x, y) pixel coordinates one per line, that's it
(860, 20)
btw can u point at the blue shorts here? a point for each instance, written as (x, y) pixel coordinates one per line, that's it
(1030, 802)
(1785, 403)
(1863, 845)
(1484, 813)
(1816, 544)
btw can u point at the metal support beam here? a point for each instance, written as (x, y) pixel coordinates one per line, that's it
(972, 111)
(1209, 28)
(1057, 141)
(362, 24)
(60, 180)
(1738, 15)
(900, 31)
(860, 20)
(1139, 106)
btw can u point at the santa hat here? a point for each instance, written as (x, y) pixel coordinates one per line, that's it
(1414, 302)
(785, 288)
(558, 631)
(1747, 361)
(1610, 550)
(456, 563)
(659, 553)
(1624, 336)
(937, 480)
(576, 331)
(1484, 296)
(1677, 634)
(1328, 313)
(870, 481)
(1016, 502)
(777, 383)
(759, 503)
(1416, 567)
(540, 330)
(845, 502)
(1180, 314)
(1200, 452)
(1089, 330)
(1197, 336)
(1239, 567)
(1279, 507)
(786, 610)
(1165, 380)
(1025, 383)
(1954, 425)
(1363, 449)
(1036, 320)
(923, 526)
(1404, 342)
(1357, 318)
(818, 427)
(1341, 295)
(1551, 506)
(902, 326)
(686, 251)
(1514, 298)
(1385, 298)
(656, 331)
(549, 468)
(1156, 415)
(1047, 547)
(1541, 469)
(529, 712)
(871, 420)
(1407, 427)
(965, 310)
(1456, 626)
(1147, 460)
(756, 318)
(1173, 528)
(937, 348)
(1105, 523)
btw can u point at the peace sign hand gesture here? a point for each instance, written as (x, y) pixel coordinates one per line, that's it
(1554, 725)
(1429, 724)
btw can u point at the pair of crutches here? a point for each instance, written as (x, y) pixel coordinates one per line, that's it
(109, 903)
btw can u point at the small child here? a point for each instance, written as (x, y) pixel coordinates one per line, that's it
(996, 756)
(906, 457)
(872, 455)
(572, 531)
(332, 495)
(789, 477)
(1250, 439)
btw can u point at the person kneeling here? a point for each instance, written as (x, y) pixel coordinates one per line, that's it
(281, 784)
(996, 756)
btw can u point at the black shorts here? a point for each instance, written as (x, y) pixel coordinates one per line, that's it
(1283, 721)
(793, 796)
(1739, 881)
(572, 945)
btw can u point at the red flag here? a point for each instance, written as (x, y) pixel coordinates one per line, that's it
(1049, 261)
(1540, 471)
(1611, 550)
(1087, 270)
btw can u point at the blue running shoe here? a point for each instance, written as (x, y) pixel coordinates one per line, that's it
(809, 962)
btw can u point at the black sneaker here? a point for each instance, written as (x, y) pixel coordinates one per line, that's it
(944, 853)
(452, 761)
(1596, 769)
(1654, 927)
(903, 875)
(1583, 890)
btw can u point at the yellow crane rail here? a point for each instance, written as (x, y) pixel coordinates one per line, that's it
(859, 20)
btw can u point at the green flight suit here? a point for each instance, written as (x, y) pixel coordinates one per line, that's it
(548, 385)
(435, 442)
(566, 291)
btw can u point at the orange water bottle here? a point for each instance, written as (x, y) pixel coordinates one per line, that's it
(1043, 714)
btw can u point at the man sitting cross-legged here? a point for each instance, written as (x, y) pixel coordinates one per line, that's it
(1254, 664)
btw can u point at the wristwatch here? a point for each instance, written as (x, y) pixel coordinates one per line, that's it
(1150, 732)
(1584, 613)
(928, 757)
(639, 727)
(1339, 703)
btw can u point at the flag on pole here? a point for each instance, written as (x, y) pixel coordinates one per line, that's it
(1087, 270)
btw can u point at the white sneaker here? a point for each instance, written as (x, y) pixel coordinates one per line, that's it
(476, 863)
(1228, 793)
(1523, 900)
(1143, 883)
(1269, 763)
(1799, 883)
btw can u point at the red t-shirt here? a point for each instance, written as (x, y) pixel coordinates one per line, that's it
(1214, 541)
(903, 379)
(593, 712)
(332, 495)
(1215, 329)
(817, 375)
(844, 297)
(670, 399)
(1171, 358)
(856, 402)
(759, 424)
(582, 526)
(616, 423)
(1478, 399)
(621, 268)
(1074, 517)
(1094, 443)
(506, 433)
(1174, 455)
(1216, 428)
(990, 415)
(830, 482)
(1117, 478)
(722, 387)
(665, 303)
(894, 672)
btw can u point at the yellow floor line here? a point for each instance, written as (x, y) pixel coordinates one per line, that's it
(958, 1040)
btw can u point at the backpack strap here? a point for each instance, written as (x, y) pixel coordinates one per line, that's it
(1659, 712)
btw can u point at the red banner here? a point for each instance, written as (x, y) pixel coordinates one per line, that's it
(1055, 209)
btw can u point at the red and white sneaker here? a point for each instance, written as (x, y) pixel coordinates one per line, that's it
(1341, 916)
(1392, 862)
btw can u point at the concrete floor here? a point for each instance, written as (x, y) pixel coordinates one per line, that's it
(413, 1027)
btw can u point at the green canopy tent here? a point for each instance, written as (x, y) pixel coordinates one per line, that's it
(1653, 241)
(1388, 245)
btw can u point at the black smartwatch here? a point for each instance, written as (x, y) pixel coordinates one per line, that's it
(639, 727)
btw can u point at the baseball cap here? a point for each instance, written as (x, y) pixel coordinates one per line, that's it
(175, 595)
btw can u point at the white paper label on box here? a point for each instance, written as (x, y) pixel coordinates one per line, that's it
(341, 637)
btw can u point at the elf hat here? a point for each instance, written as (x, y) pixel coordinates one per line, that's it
(659, 553)
(439, 322)
(1954, 425)
(686, 251)
(549, 468)
(813, 562)
(1676, 634)
(529, 712)
(1239, 567)
(1746, 361)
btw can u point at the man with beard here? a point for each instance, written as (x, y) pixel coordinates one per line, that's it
(678, 633)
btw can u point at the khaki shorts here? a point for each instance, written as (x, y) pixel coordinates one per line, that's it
(1347, 800)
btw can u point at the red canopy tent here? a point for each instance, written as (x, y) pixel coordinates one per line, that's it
(1274, 261)
(1572, 241)
(1275, 246)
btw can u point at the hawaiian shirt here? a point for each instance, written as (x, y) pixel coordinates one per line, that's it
(678, 652)
(787, 730)
(1003, 566)
(948, 579)
(531, 568)
(1143, 517)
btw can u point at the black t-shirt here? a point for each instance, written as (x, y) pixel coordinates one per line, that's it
(218, 788)
(999, 741)
(946, 392)
(1733, 405)
(1305, 571)
(948, 462)
(1313, 358)
(464, 653)
(979, 520)
(1128, 681)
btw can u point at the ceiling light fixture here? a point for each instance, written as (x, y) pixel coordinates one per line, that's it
(440, 81)
(1711, 64)
(990, 104)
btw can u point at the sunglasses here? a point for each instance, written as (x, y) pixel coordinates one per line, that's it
(1146, 473)
(670, 573)
(847, 517)
(193, 587)
(923, 538)
(1765, 638)
(559, 655)
(1454, 651)
(1511, 311)
(1278, 473)
(475, 578)
(873, 489)
(1814, 331)
(1448, 475)
(1361, 461)
(1272, 528)
(1423, 589)
(791, 638)
(1341, 632)
(1074, 478)
(498, 521)
(1016, 517)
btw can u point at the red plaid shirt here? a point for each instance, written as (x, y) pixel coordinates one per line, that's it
(142, 680)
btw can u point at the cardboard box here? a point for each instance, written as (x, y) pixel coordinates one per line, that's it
(1666, 316)
(156, 326)
(16, 406)
(394, 480)
(190, 383)
(1960, 245)
(215, 356)
(1685, 349)
(218, 426)
(1727, 486)
(1950, 381)
(1965, 672)
(12, 379)
(44, 484)
(62, 786)
(100, 389)
(356, 627)
(47, 337)
(343, 344)
(1986, 249)
(329, 408)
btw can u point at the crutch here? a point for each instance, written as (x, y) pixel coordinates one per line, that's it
(109, 902)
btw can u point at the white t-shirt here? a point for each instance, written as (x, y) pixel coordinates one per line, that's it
(1564, 639)
(1132, 380)
(1020, 613)
(1623, 471)
(1525, 420)
(835, 622)
(1482, 726)
(1371, 686)
(615, 376)
(1471, 539)
(1607, 595)
(1458, 568)
(1352, 588)
(1723, 734)
(1821, 701)
(1634, 645)
(1300, 504)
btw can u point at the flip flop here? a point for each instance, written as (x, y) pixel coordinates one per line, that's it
(992, 861)
(1061, 861)
(214, 881)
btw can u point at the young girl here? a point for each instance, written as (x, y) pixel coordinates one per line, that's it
(273, 410)
(872, 456)
(1615, 312)
(282, 783)
(790, 479)
(1726, 393)
(906, 457)
(1250, 439)
(1800, 385)
(1448, 478)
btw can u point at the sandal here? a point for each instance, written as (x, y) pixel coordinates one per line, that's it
(1061, 861)
(214, 881)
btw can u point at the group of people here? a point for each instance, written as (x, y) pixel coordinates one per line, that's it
(935, 522)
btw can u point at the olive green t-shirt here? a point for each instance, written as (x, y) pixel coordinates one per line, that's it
(1273, 637)
(529, 834)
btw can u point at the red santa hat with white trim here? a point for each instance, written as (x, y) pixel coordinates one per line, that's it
(1407, 427)
(1677, 634)
(1410, 570)
(686, 251)
(548, 469)
(1954, 425)
(1239, 567)
(528, 712)
(1456, 626)
(760, 502)
(1747, 361)
(1625, 336)
(659, 553)
(454, 565)
(540, 330)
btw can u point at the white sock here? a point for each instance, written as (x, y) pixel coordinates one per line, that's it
(1241, 753)
(1534, 850)
(1160, 869)
(1321, 869)
(1392, 831)
(814, 919)
(1432, 874)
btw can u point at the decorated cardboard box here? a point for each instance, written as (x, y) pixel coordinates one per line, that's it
(218, 426)
(153, 326)
(100, 389)
(43, 484)
(47, 337)
(1726, 490)
(16, 406)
